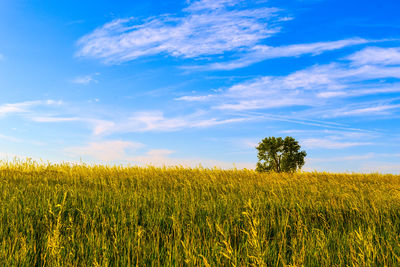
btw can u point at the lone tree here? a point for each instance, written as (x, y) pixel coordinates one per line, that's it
(279, 155)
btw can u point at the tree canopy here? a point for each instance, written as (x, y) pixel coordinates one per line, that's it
(279, 155)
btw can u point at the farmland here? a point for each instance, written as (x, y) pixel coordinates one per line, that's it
(70, 215)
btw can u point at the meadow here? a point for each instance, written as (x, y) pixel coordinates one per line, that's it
(81, 215)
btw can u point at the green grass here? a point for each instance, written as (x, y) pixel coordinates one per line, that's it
(97, 215)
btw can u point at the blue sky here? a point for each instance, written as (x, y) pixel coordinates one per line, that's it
(189, 82)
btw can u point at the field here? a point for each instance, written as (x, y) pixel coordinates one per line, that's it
(78, 215)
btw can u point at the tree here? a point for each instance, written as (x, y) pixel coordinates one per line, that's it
(279, 155)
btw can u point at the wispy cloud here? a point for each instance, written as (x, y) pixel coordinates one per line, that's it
(86, 79)
(362, 90)
(21, 107)
(207, 28)
(263, 52)
(314, 87)
(155, 121)
(55, 119)
(219, 26)
(25, 107)
(145, 121)
(335, 134)
(155, 157)
(195, 98)
(105, 150)
(376, 56)
(373, 166)
(344, 158)
(2, 57)
(10, 138)
(127, 152)
(374, 110)
(162, 157)
(98, 126)
(381, 167)
(330, 144)
(206, 5)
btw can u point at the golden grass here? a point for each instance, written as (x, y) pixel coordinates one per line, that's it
(79, 215)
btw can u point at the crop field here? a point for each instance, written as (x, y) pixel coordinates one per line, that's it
(80, 215)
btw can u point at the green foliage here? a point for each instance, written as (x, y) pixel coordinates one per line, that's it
(279, 155)
(77, 215)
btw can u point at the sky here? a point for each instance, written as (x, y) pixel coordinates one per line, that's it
(201, 81)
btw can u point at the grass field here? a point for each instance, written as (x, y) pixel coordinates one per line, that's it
(97, 215)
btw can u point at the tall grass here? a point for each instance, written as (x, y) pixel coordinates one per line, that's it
(70, 215)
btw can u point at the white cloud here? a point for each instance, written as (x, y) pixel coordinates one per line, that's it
(366, 89)
(157, 157)
(126, 152)
(105, 150)
(2, 57)
(356, 157)
(208, 28)
(343, 158)
(55, 119)
(315, 87)
(329, 144)
(25, 107)
(286, 18)
(377, 56)
(98, 126)
(155, 121)
(15, 107)
(10, 138)
(162, 157)
(101, 126)
(271, 92)
(335, 134)
(86, 79)
(374, 110)
(247, 143)
(195, 98)
(146, 121)
(381, 167)
(262, 52)
(201, 5)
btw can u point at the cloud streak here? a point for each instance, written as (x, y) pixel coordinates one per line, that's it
(224, 28)
(25, 107)
(104, 150)
(138, 122)
(208, 28)
(374, 110)
(162, 157)
(263, 52)
(317, 87)
(86, 79)
(323, 143)
(376, 56)
(155, 121)
(127, 152)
